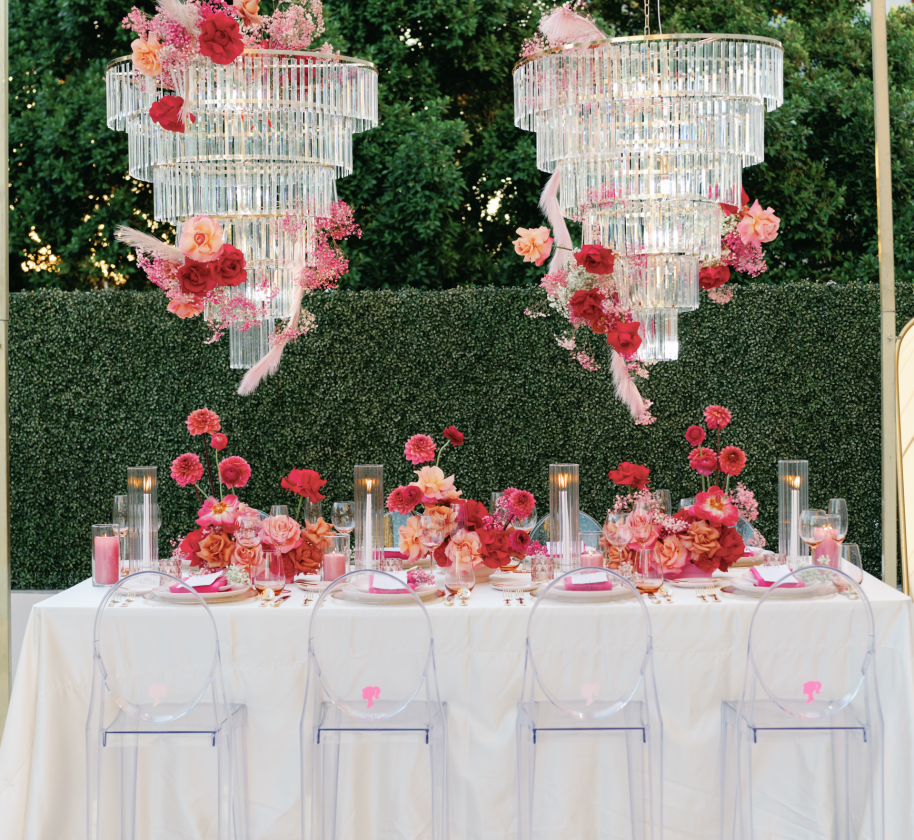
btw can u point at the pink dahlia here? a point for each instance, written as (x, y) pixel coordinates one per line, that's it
(717, 417)
(202, 422)
(234, 471)
(216, 513)
(732, 460)
(520, 503)
(186, 469)
(420, 449)
(395, 502)
(714, 507)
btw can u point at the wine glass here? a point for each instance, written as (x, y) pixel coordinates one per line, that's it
(648, 576)
(663, 501)
(343, 516)
(838, 507)
(311, 511)
(459, 573)
(120, 526)
(248, 530)
(812, 527)
(528, 523)
(432, 531)
(279, 510)
(616, 530)
(851, 563)
(268, 572)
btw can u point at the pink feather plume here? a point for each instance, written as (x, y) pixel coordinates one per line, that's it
(549, 204)
(565, 27)
(148, 244)
(626, 390)
(269, 364)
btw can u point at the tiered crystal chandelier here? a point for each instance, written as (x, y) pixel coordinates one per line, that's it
(651, 134)
(271, 133)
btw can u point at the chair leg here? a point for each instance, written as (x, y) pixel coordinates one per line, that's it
(224, 787)
(744, 742)
(727, 804)
(326, 767)
(129, 749)
(526, 775)
(840, 749)
(634, 748)
(437, 747)
(240, 774)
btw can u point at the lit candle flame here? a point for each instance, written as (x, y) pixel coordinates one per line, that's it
(147, 484)
(563, 480)
(369, 483)
(794, 481)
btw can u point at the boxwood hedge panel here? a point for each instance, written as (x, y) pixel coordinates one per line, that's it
(102, 381)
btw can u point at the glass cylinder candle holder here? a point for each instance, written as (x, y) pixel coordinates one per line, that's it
(142, 519)
(793, 499)
(564, 538)
(369, 516)
(105, 555)
(336, 558)
(119, 518)
(591, 550)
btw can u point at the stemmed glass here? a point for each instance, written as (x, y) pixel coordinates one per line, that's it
(616, 530)
(248, 531)
(663, 501)
(818, 528)
(527, 524)
(432, 531)
(279, 510)
(648, 575)
(851, 563)
(838, 507)
(311, 511)
(343, 516)
(812, 527)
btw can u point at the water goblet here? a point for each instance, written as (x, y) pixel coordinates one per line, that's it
(279, 510)
(851, 562)
(311, 511)
(248, 530)
(460, 575)
(812, 527)
(528, 523)
(432, 531)
(648, 576)
(343, 516)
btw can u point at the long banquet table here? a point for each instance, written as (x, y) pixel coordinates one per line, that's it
(700, 655)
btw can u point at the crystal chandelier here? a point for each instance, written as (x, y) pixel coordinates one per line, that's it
(649, 135)
(270, 134)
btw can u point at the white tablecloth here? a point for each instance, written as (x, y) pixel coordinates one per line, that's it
(700, 660)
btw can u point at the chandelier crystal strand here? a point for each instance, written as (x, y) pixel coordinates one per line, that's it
(270, 133)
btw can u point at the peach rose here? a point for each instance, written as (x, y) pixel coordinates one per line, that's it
(186, 307)
(248, 9)
(432, 483)
(644, 532)
(282, 532)
(246, 557)
(318, 533)
(614, 557)
(216, 549)
(702, 538)
(201, 239)
(671, 554)
(758, 225)
(464, 547)
(534, 245)
(146, 56)
(306, 558)
(409, 539)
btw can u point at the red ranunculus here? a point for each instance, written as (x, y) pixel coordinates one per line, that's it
(713, 276)
(595, 259)
(588, 306)
(453, 435)
(695, 435)
(220, 38)
(703, 460)
(731, 548)
(496, 547)
(165, 112)
(218, 441)
(624, 338)
(634, 475)
(228, 269)
(440, 556)
(190, 545)
(305, 483)
(234, 471)
(412, 495)
(519, 542)
(196, 278)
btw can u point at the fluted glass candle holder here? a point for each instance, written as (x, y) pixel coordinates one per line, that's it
(564, 539)
(142, 519)
(369, 516)
(793, 499)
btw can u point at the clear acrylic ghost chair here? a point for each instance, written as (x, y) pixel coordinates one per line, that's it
(157, 686)
(371, 678)
(589, 673)
(809, 699)
(540, 532)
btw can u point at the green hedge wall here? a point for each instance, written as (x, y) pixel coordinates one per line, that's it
(102, 381)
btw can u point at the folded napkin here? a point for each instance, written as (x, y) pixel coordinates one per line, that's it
(202, 583)
(770, 575)
(385, 586)
(588, 582)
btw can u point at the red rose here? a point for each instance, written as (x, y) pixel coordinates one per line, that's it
(440, 556)
(454, 436)
(474, 513)
(595, 259)
(713, 276)
(695, 435)
(633, 475)
(496, 547)
(165, 112)
(624, 338)
(220, 38)
(190, 545)
(305, 483)
(218, 441)
(683, 515)
(588, 306)
(730, 209)
(519, 542)
(731, 548)
(196, 278)
(228, 269)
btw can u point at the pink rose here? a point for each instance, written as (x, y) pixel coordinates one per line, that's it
(220, 38)
(671, 554)
(758, 225)
(247, 10)
(534, 244)
(282, 532)
(146, 56)
(187, 307)
(695, 435)
(201, 239)
(245, 557)
(234, 471)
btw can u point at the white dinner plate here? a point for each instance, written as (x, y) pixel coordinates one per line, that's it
(614, 594)
(529, 586)
(163, 593)
(694, 582)
(798, 593)
(317, 586)
(363, 596)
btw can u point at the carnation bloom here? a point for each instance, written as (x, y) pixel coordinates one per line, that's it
(420, 449)
(306, 483)
(703, 460)
(715, 507)
(409, 539)
(234, 471)
(202, 422)
(695, 435)
(717, 417)
(732, 460)
(534, 244)
(758, 225)
(215, 513)
(186, 469)
(218, 441)
(187, 307)
(432, 483)
(201, 239)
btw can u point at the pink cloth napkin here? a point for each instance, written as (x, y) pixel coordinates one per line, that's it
(374, 591)
(760, 581)
(588, 587)
(212, 587)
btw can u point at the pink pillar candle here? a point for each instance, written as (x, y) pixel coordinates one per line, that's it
(105, 561)
(828, 551)
(333, 566)
(591, 558)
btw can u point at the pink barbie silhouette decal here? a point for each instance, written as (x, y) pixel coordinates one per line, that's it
(157, 692)
(810, 689)
(589, 691)
(371, 693)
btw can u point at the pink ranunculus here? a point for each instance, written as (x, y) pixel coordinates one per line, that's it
(188, 307)
(758, 225)
(717, 417)
(671, 554)
(201, 239)
(695, 435)
(644, 532)
(420, 449)
(412, 495)
(703, 460)
(222, 514)
(454, 435)
(282, 532)
(203, 422)
(732, 459)
(146, 55)
(519, 542)
(186, 469)
(234, 471)
(218, 441)
(534, 245)
(715, 507)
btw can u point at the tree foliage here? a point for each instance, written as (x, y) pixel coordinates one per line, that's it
(441, 185)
